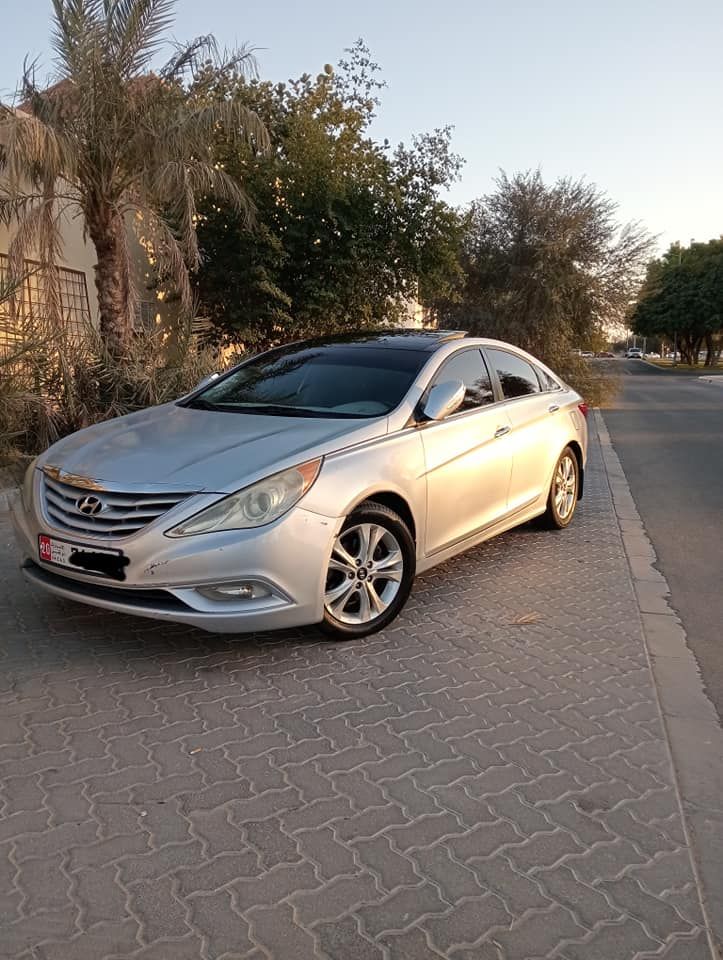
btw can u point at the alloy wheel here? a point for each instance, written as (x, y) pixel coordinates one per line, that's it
(364, 575)
(565, 487)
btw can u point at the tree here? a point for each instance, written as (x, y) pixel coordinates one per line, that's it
(547, 266)
(347, 229)
(120, 144)
(682, 299)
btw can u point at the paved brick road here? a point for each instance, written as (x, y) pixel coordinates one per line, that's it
(466, 785)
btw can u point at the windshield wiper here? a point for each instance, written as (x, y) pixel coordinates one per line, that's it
(200, 404)
(269, 409)
(274, 409)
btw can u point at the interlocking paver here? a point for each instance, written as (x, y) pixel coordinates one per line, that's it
(624, 938)
(403, 908)
(225, 931)
(342, 940)
(456, 880)
(392, 869)
(323, 849)
(464, 785)
(467, 923)
(335, 899)
(517, 891)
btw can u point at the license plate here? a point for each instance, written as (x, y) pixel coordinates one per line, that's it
(82, 557)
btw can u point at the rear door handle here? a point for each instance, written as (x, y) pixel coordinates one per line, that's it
(501, 431)
(553, 408)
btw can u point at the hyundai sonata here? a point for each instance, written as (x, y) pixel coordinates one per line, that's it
(307, 485)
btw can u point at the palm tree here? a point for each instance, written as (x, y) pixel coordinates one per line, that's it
(121, 144)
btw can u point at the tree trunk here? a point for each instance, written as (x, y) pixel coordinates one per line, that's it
(112, 279)
(696, 350)
(709, 350)
(684, 348)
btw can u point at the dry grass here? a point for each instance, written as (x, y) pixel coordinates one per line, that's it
(679, 367)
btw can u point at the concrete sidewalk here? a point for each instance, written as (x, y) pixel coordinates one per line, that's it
(489, 780)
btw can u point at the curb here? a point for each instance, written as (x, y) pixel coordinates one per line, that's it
(690, 721)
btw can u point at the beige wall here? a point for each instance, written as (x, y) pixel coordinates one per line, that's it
(76, 255)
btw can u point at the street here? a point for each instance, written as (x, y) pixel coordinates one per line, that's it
(668, 432)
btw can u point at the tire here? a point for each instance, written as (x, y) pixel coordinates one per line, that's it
(378, 536)
(564, 492)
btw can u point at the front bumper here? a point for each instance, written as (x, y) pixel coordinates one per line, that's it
(289, 556)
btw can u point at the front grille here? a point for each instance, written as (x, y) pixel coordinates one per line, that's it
(121, 515)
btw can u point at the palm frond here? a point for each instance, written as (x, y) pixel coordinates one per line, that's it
(191, 132)
(170, 256)
(74, 38)
(34, 148)
(135, 29)
(206, 180)
(190, 57)
(193, 59)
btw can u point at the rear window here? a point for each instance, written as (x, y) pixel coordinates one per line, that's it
(517, 377)
(330, 380)
(546, 381)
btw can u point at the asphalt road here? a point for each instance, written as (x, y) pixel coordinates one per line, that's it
(667, 430)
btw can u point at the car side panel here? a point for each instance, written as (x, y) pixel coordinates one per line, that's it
(391, 464)
(468, 474)
(540, 430)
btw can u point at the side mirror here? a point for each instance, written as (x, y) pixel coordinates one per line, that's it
(444, 398)
(206, 380)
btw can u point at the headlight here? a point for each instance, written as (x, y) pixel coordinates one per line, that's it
(27, 491)
(254, 506)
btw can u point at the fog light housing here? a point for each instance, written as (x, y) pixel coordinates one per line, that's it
(243, 590)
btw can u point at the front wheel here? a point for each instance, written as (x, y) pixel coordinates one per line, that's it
(370, 572)
(564, 491)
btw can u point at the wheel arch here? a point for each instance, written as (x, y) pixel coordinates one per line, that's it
(395, 502)
(577, 450)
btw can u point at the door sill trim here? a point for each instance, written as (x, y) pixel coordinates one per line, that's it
(487, 526)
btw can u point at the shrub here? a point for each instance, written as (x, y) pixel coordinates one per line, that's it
(53, 387)
(595, 383)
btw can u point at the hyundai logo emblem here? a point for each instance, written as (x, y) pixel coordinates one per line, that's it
(89, 505)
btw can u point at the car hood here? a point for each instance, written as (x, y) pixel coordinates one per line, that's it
(198, 450)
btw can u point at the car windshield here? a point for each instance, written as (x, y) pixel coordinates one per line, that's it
(329, 380)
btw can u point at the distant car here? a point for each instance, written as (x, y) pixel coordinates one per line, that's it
(653, 356)
(588, 354)
(634, 353)
(605, 355)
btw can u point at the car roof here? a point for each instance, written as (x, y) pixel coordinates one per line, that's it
(426, 341)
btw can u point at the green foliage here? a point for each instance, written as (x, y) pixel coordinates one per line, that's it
(346, 228)
(598, 382)
(546, 267)
(682, 298)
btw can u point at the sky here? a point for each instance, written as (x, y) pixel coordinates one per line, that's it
(627, 93)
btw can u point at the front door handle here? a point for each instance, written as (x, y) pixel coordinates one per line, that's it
(553, 408)
(501, 431)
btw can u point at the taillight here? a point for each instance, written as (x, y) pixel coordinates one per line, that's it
(583, 408)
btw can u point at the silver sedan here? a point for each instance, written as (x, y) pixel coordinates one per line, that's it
(307, 485)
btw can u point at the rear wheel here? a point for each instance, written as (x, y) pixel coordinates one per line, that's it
(564, 490)
(370, 572)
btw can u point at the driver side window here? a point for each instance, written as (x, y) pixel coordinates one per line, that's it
(469, 367)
